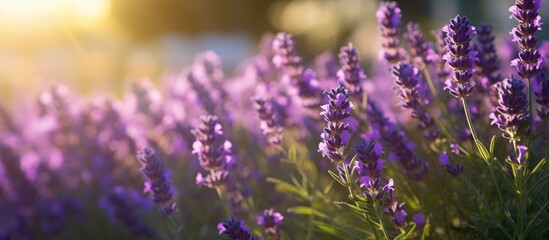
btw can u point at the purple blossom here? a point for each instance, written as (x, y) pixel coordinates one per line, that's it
(542, 96)
(520, 157)
(335, 135)
(388, 16)
(411, 90)
(459, 57)
(270, 220)
(511, 115)
(397, 212)
(487, 65)
(123, 206)
(156, 180)
(369, 166)
(287, 59)
(442, 69)
(235, 229)
(529, 61)
(421, 52)
(269, 120)
(453, 169)
(214, 153)
(350, 72)
(395, 140)
(419, 219)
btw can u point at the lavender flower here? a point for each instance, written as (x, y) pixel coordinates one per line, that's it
(270, 220)
(214, 154)
(410, 85)
(395, 140)
(542, 96)
(488, 63)
(122, 208)
(156, 183)
(269, 120)
(397, 212)
(388, 16)
(442, 68)
(520, 157)
(529, 61)
(287, 59)
(511, 115)
(336, 134)
(421, 52)
(369, 166)
(235, 230)
(459, 57)
(452, 169)
(350, 72)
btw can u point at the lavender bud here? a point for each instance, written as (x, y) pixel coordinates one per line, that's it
(270, 220)
(213, 153)
(442, 68)
(388, 16)
(529, 61)
(511, 115)
(350, 72)
(235, 229)
(336, 134)
(488, 63)
(287, 59)
(411, 88)
(421, 52)
(459, 57)
(156, 183)
(269, 122)
(542, 96)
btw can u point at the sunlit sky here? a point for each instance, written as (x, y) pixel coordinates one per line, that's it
(31, 13)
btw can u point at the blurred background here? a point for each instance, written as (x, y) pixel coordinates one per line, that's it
(101, 45)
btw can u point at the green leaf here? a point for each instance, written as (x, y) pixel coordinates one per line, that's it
(358, 198)
(483, 151)
(407, 232)
(292, 154)
(337, 178)
(304, 210)
(533, 220)
(339, 232)
(426, 230)
(352, 209)
(287, 187)
(492, 145)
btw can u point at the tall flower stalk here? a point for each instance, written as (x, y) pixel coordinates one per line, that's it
(529, 60)
(389, 17)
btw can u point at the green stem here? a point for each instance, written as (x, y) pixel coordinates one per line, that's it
(434, 91)
(468, 117)
(444, 130)
(222, 197)
(175, 228)
(531, 106)
(377, 210)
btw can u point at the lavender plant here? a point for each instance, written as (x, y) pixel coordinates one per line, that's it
(364, 169)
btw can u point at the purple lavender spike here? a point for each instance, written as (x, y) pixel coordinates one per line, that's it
(395, 140)
(542, 96)
(335, 135)
(156, 183)
(122, 206)
(411, 91)
(511, 115)
(488, 62)
(269, 120)
(369, 166)
(529, 61)
(270, 220)
(235, 229)
(287, 59)
(388, 16)
(350, 72)
(459, 57)
(421, 52)
(453, 169)
(214, 154)
(442, 68)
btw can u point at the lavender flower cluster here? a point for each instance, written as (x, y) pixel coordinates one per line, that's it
(245, 156)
